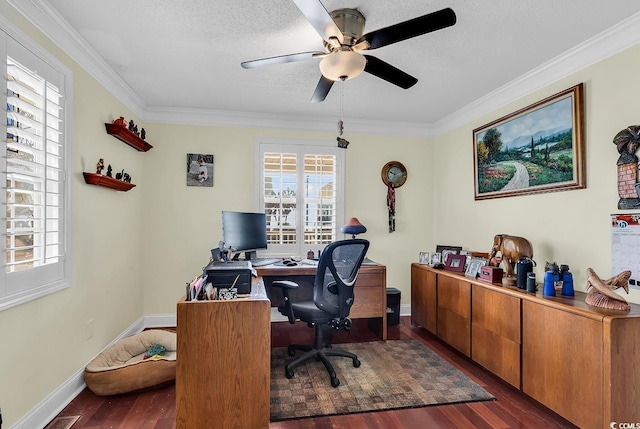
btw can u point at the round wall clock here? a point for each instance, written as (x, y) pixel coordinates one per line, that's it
(394, 174)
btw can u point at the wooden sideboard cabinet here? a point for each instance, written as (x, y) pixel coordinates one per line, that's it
(454, 312)
(580, 361)
(423, 298)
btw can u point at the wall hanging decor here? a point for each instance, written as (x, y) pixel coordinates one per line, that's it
(627, 142)
(199, 169)
(539, 148)
(393, 174)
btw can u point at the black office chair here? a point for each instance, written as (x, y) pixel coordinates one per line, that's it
(329, 309)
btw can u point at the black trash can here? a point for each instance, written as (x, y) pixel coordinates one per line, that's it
(393, 306)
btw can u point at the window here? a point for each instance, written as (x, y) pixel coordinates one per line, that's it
(301, 191)
(35, 194)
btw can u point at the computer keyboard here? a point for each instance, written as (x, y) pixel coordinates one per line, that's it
(261, 262)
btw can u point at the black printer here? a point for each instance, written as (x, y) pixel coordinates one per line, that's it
(228, 274)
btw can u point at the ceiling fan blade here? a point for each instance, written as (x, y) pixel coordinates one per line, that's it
(386, 71)
(303, 56)
(322, 89)
(320, 19)
(408, 29)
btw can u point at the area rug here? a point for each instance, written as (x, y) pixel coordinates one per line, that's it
(393, 375)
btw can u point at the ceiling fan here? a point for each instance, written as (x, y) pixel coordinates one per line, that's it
(342, 32)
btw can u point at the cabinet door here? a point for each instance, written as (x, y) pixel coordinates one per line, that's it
(454, 312)
(495, 333)
(423, 298)
(562, 362)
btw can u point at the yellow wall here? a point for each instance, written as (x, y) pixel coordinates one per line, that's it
(569, 227)
(43, 342)
(182, 223)
(133, 252)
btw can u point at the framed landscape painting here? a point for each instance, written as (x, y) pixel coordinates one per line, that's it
(539, 148)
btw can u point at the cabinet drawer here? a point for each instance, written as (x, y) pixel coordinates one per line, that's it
(455, 330)
(370, 278)
(497, 312)
(455, 296)
(368, 302)
(496, 353)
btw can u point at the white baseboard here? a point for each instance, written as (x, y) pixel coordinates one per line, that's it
(50, 407)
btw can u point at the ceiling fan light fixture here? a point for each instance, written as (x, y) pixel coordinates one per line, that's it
(342, 65)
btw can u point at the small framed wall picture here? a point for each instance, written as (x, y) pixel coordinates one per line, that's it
(455, 262)
(199, 169)
(435, 258)
(423, 258)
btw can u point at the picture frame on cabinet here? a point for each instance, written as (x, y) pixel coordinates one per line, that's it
(455, 262)
(423, 258)
(473, 268)
(441, 247)
(446, 253)
(539, 148)
(435, 258)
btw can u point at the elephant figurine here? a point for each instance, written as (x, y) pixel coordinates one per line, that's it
(511, 249)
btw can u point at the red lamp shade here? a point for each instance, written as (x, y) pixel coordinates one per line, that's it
(353, 227)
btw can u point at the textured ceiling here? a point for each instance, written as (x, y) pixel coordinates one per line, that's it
(187, 54)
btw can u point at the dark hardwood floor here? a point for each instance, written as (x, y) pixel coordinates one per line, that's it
(156, 409)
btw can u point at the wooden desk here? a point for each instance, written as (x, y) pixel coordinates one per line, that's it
(370, 290)
(223, 369)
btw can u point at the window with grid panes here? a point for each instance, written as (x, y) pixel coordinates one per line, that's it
(301, 187)
(35, 196)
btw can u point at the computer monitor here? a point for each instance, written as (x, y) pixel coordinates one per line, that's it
(244, 232)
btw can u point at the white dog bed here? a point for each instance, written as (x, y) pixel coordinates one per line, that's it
(121, 368)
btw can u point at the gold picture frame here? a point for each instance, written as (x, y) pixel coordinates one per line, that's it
(537, 149)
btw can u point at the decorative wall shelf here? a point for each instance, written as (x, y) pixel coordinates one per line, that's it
(107, 182)
(126, 136)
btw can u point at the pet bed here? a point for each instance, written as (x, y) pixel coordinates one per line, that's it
(125, 367)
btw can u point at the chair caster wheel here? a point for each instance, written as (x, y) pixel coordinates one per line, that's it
(288, 373)
(356, 363)
(335, 382)
(291, 351)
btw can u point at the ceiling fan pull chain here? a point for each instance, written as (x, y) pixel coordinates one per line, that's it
(341, 122)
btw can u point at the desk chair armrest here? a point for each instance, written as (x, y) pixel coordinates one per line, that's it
(286, 285)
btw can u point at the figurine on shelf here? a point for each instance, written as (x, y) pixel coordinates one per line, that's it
(126, 178)
(100, 166)
(109, 171)
(131, 125)
(135, 130)
(119, 122)
(119, 175)
(143, 134)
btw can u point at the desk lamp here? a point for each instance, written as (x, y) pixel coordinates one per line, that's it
(353, 227)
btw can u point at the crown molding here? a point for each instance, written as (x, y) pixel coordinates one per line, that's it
(264, 120)
(55, 27)
(612, 41)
